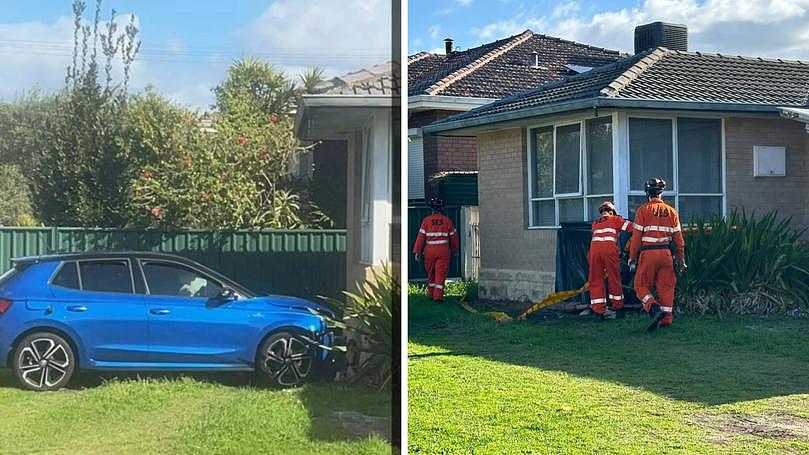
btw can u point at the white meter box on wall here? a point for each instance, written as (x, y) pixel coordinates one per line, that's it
(769, 161)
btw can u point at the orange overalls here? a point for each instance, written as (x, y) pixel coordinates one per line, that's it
(437, 236)
(656, 226)
(603, 258)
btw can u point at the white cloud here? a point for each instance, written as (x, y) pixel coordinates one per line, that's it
(565, 9)
(36, 55)
(464, 2)
(338, 35)
(766, 28)
(27, 60)
(435, 31)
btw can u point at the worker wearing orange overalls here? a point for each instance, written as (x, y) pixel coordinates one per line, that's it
(437, 238)
(656, 227)
(604, 259)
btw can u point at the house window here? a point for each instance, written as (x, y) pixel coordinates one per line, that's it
(559, 158)
(694, 184)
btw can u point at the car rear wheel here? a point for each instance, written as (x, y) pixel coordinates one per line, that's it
(285, 360)
(43, 361)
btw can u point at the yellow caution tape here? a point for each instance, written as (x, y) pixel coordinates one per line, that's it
(554, 298)
(547, 301)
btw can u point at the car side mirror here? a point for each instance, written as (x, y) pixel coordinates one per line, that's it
(224, 296)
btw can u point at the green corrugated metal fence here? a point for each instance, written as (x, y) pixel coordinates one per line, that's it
(295, 262)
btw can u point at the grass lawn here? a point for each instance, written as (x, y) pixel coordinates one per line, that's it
(200, 414)
(737, 385)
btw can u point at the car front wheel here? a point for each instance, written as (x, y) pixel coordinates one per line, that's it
(43, 361)
(285, 360)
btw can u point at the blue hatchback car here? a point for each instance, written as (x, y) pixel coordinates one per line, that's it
(149, 311)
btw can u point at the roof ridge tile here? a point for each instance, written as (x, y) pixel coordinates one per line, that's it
(465, 70)
(418, 56)
(633, 72)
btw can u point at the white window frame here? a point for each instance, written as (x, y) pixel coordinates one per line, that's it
(673, 193)
(556, 197)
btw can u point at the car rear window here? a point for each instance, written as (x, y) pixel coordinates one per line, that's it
(68, 276)
(6, 277)
(110, 275)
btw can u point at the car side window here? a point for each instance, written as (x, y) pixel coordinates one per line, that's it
(68, 276)
(109, 275)
(176, 280)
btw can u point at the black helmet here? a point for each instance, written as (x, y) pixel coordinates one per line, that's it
(436, 203)
(654, 187)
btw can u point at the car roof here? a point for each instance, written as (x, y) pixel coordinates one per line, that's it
(98, 255)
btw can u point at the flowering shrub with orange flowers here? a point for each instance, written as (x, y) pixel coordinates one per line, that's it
(743, 264)
(232, 174)
(229, 178)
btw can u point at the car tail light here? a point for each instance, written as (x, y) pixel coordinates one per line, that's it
(5, 305)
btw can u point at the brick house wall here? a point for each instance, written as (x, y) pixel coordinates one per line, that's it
(443, 153)
(786, 194)
(517, 263)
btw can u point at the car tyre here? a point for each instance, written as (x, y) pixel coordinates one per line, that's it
(43, 361)
(285, 359)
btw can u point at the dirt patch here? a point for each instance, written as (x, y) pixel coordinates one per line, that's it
(771, 426)
(359, 426)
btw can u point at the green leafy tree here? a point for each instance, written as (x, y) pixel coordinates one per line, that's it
(82, 174)
(15, 200)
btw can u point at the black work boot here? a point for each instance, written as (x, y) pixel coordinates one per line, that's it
(619, 312)
(657, 315)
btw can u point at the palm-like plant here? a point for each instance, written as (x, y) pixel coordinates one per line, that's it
(368, 316)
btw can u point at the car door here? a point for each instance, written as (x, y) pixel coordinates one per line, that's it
(99, 302)
(185, 328)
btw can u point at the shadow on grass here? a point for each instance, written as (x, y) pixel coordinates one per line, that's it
(338, 412)
(344, 413)
(699, 359)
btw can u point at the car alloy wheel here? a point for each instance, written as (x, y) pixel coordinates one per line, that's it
(286, 360)
(43, 361)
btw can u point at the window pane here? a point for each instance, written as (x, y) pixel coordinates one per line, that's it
(544, 213)
(634, 203)
(179, 281)
(599, 155)
(691, 206)
(542, 145)
(68, 276)
(699, 155)
(593, 203)
(650, 153)
(568, 152)
(106, 276)
(571, 210)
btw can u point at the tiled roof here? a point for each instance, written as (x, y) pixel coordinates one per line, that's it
(501, 68)
(376, 80)
(666, 75)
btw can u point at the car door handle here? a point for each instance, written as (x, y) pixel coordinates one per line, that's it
(77, 308)
(159, 311)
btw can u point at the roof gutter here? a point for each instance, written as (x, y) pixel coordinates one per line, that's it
(450, 103)
(589, 103)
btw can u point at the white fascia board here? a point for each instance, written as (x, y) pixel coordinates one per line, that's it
(443, 102)
(310, 101)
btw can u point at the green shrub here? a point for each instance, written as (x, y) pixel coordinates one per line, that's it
(744, 264)
(15, 198)
(368, 317)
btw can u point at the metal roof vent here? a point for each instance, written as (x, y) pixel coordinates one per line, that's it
(672, 36)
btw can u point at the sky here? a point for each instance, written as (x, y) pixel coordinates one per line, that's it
(757, 28)
(188, 45)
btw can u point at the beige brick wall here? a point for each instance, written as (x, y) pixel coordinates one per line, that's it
(516, 263)
(787, 194)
